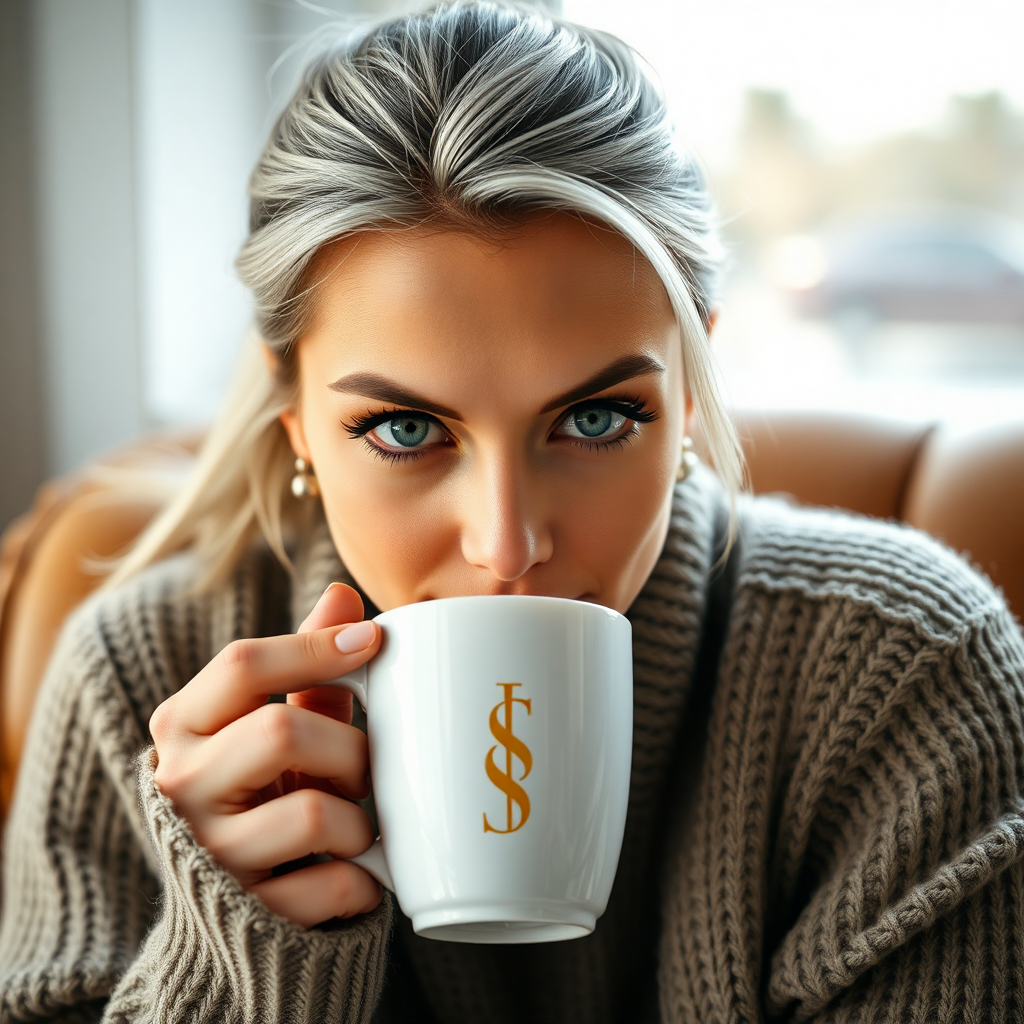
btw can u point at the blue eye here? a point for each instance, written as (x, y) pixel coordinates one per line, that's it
(407, 431)
(592, 421)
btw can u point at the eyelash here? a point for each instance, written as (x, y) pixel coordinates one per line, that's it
(631, 408)
(634, 409)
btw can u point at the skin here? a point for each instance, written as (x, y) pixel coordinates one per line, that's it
(497, 343)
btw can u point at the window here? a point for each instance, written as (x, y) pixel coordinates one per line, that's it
(867, 159)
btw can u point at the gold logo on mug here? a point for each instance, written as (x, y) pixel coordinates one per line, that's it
(514, 747)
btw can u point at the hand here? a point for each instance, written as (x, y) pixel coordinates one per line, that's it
(263, 784)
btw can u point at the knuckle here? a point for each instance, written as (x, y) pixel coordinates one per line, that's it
(354, 891)
(343, 886)
(312, 811)
(311, 646)
(240, 656)
(279, 728)
(171, 776)
(160, 722)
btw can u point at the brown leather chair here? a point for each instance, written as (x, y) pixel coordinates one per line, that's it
(965, 488)
(51, 559)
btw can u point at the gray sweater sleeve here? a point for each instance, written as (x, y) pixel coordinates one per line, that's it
(112, 910)
(916, 834)
(217, 953)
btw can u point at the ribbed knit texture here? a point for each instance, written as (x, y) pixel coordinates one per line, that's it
(832, 831)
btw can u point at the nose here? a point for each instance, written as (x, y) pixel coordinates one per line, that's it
(505, 527)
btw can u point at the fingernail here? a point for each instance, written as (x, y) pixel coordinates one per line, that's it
(355, 638)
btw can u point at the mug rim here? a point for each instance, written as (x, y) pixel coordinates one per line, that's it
(504, 598)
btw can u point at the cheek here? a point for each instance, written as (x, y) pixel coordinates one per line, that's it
(608, 525)
(389, 532)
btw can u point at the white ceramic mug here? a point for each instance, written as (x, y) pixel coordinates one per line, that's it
(500, 732)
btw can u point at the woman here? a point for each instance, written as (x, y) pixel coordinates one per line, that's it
(485, 278)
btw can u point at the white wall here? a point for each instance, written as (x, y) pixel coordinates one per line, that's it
(210, 78)
(24, 443)
(199, 113)
(80, 80)
(146, 118)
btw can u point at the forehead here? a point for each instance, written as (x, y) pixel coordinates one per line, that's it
(546, 295)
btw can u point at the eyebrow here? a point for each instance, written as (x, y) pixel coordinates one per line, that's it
(383, 389)
(622, 369)
(373, 385)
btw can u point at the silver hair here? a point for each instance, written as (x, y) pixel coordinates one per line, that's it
(469, 114)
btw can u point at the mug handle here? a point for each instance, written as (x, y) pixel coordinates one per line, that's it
(372, 860)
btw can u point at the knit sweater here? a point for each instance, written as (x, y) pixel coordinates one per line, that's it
(830, 827)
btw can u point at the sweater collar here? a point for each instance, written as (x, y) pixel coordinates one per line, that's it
(668, 619)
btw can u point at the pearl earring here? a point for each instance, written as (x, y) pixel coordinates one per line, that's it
(304, 483)
(687, 461)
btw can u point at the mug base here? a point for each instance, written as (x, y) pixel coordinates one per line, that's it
(503, 925)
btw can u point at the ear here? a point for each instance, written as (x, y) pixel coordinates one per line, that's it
(296, 436)
(289, 418)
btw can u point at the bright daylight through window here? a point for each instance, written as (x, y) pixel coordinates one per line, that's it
(868, 159)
